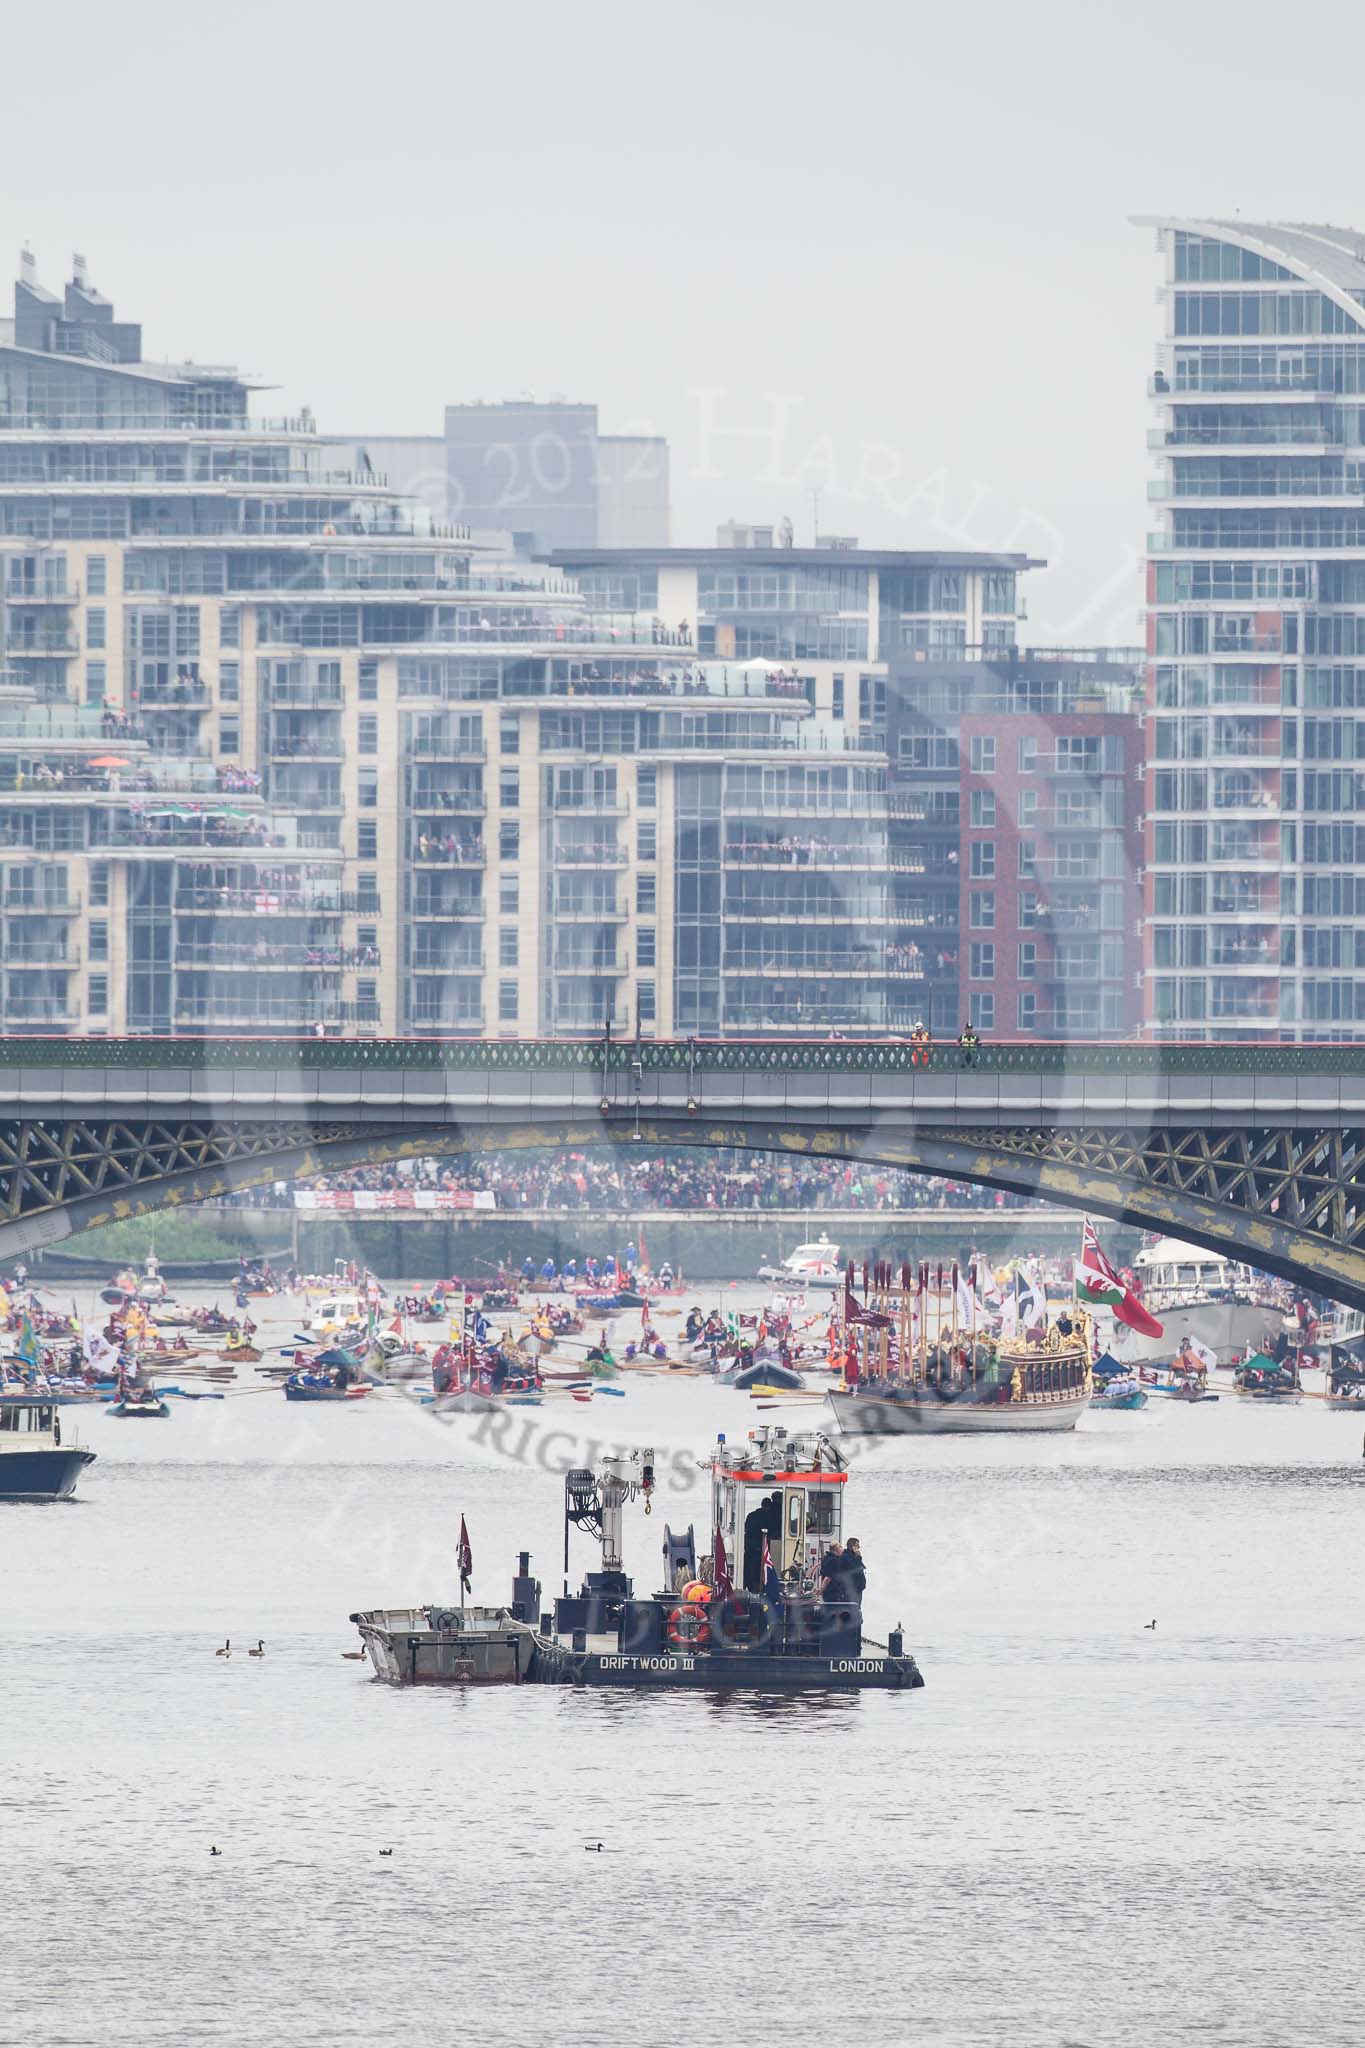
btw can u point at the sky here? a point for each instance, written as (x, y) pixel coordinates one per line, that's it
(870, 265)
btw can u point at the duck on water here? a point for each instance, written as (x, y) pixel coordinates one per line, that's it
(760, 1610)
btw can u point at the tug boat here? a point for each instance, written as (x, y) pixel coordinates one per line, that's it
(34, 1462)
(748, 1615)
(899, 1382)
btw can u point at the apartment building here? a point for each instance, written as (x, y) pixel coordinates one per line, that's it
(1256, 635)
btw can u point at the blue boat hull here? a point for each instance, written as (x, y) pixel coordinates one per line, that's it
(42, 1475)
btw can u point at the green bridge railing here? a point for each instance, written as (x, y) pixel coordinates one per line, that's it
(699, 1057)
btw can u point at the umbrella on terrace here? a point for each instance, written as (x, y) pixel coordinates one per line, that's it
(108, 761)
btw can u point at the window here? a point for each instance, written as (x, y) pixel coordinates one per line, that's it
(983, 860)
(983, 808)
(367, 839)
(509, 735)
(229, 682)
(367, 935)
(1027, 1015)
(646, 788)
(1028, 912)
(94, 626)
(367, 735)
(646, 890)
(95, 682)
(1028, 860)
(95, 583)
(509, 896)
(230, 626)
(230, 735)
(1028, 755)
(1028, 806)
(1028, 959)
(644, 946)
(369, 682)
(983, 910)
(99, 939)
(99, 884)
(367, 892)
(646, 839)
(367, 788)
(644, 1001)
(507, 946)
(367, 1002)
(983, 753)
(507, 1002)
(509, 841)
(509, 789)
(981, 1009)
(97, 995)
(983, 960)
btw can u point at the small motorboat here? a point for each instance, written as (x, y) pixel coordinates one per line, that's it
(35, 1464)
(308, 1386)
(144, 1405)
(768, 1373)
(1120, 1394)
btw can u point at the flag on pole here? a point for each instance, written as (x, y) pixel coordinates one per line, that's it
(724, 1585)
(465, 1559)
(27, 1347)
(864, 1318)
(1099, 1286)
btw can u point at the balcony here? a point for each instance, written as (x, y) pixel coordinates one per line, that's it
(452, 1024)
(180, 695)
(266, 955)
(606, 803)
(276, 897)
(54, 953)
(448, 850)
(456, 908)
(458, 963)
(27, 593)
(46, 1012)
(610, 969)
(41, 906)
(41, 646)
(434, 746)
(605, 856)
(1264, 435)
(313, 746)
(589, 913)
(806, 853)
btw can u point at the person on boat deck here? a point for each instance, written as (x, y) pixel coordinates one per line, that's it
(570, 1269)
(855, 1572)
(528, 1268)
(665, 1275)
(764, 1520)
(831, 1571)
(692, 1328)
(547, 1271)
(590, 1267)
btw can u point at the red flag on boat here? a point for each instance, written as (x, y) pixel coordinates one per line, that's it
(723, 1583)
(1099, 1286)
(865, 1318)
(465, 1558)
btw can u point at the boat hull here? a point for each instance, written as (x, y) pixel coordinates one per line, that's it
(1227, 1328)
(921, 1415)
(722, 1671)
(42, 1475)
(484, 1647)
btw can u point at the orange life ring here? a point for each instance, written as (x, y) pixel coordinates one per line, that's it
(688, 1628)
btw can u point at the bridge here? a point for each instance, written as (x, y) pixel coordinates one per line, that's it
(1253, 1151)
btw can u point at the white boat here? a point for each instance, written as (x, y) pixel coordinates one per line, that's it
(35, 1464)
(1196, 1294)
(811, 1265)
(335, 1312)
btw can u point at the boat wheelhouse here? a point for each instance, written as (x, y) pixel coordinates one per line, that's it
(815, 1264)
(1198, 1295)
(35, 1464)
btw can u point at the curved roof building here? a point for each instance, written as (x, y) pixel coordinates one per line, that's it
(1255, 828)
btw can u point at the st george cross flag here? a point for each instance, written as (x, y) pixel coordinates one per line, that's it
(1099, 1286)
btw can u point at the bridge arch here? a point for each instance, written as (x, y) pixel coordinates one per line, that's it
(52, 1188)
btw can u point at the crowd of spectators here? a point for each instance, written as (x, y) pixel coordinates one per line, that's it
(619, 1184)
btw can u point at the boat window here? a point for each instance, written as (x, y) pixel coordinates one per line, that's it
(1187, 1276)
(44, 1419)
(820, 1512)
(9, 1418)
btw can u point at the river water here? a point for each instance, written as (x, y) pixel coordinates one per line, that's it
(1082, 1831)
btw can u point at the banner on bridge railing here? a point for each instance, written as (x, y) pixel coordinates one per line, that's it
(371, 1201)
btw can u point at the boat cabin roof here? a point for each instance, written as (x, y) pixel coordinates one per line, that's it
(1169, 1251)
(768, 1456)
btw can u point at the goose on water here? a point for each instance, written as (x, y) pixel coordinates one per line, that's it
(259, 1650)
(226, 1650)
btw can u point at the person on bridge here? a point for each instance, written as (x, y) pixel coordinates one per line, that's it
(968, 1042)
(919, 1044)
